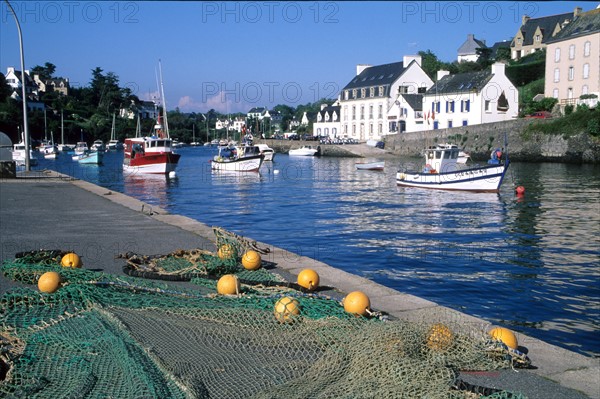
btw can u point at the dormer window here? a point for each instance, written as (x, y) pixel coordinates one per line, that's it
(372, 92)
(538, 38)
(381, 91)
(363, 93)
(346, 94)
(353, 93)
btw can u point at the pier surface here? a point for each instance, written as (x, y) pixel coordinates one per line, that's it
(48, 210)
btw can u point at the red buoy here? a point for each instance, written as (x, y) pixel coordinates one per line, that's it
(520, 190)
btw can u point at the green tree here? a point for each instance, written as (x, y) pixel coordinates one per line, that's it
(45, 72)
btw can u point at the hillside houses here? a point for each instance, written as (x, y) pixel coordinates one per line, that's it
(573, 61)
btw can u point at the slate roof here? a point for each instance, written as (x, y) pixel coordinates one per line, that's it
(330, 109)
(414, 100)
(461, 82)
(470, 46)
(377, 76)
(546, 24)
(257, 110)
(585, 24)
(499, 45)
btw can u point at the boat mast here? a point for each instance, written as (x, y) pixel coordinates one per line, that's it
(62, 128)
(164, 101)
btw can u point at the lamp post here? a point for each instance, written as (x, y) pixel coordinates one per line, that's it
(23, 91)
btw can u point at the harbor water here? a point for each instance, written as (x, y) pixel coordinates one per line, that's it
(530, 263)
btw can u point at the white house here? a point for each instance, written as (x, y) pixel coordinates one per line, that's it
(406, 113)
(327, 121)
(14, 79)
(468, 50)
(367, 101)
(471, 98)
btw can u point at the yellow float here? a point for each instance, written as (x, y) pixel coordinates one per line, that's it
(49, 282)
(357, 303)
(286, 308)
(71, 260)
(506, 336)
(440, 337)
(226, 251)
(251, 260)
(228, 285)
(308, 279)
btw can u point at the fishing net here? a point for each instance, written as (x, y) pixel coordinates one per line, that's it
(101, 335)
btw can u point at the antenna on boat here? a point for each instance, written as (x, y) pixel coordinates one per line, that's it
(505, 147)
(164, 101)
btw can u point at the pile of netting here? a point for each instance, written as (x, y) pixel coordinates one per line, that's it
(107, 336)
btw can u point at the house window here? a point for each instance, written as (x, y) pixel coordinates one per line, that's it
(519, 41)
(487, 105)
(326, 117)
(570, 92)
(380, 128)
(555, 93)
(465, 106)
(346, 130)
(346, 94)
(335, 116)
(437, 107)
(353, 130)
(381, 91)
(571, 73)
(319, 117)
(326, 132)
(371, 129)
(572, 52)
(538, 38)
(556, 75)
(436, 125)
(586, 71)
(362, 112)
(370, 112)
(318, 131)
(449, 124)
(354, 93)
(380, 111)
(449, 106)
(363, 93)
(334, 131)
(353, 112)
(372, 92)
(465, 123)
(584, 89)
(345, 112)
(557, 55)
(586, 49)
(502, 103)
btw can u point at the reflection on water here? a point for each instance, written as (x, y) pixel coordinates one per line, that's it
(530, 263)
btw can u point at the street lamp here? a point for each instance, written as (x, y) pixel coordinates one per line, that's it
(23, 91)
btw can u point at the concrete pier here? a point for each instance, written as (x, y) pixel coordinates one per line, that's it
(52, 211)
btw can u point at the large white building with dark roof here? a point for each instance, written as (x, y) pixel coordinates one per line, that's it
(367, 102)
(471, 98)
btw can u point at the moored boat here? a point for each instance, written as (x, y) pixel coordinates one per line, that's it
(18, 155)
(91, 157)
(98, 145)
(443, 172)
(267, 151)
(306, 150)
(238, 159)
(377, 165)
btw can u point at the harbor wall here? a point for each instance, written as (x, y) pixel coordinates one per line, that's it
(479, 140)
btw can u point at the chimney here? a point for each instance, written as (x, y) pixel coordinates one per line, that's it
(361, 67)
(498, 68)
(470, 36)
(441, 74)
(407, 59)
(323, 106)
(524, 19)
(577, 12)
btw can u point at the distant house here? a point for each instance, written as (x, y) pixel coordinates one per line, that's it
(367, 99)
(468, 50)
(307, 117)
(145, 110)
(573, 61)
(471, 98)
(409, 111)
(238, 123)
(60, 85)
(258, 113)
(15, 78)
(327, 121)
(535, 32)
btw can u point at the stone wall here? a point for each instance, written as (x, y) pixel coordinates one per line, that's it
(479, 140)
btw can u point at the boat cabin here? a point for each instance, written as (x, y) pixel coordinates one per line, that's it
(441, 158)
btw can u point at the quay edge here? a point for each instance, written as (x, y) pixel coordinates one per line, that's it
(560, 373)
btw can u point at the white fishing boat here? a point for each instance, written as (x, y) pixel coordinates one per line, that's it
(463, 157)
(81, 148)
(306, 150)
(377, 165)
(18, 155)
(267, 151)
(238, 159)
(443, 172)
(98, 145)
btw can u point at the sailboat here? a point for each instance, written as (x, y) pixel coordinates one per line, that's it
(113, 143)
(62, 147)
(194, 143)
(152, 154)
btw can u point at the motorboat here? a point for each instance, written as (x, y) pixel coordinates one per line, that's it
(306, 150)
(267, 151)
(377, 165)
(113, 144)
(18, 155)
(443, 172)
(90, 157)
(81, 148)
(246, 158)
(98, 145)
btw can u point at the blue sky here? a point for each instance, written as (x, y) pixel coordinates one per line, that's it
(232, 56)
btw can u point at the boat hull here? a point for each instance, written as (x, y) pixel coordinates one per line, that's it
(159, 163)
(379, 166)
(246, 164)
(91, 158)
(485, 179)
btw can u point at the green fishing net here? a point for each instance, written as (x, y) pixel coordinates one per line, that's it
(107, 336)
